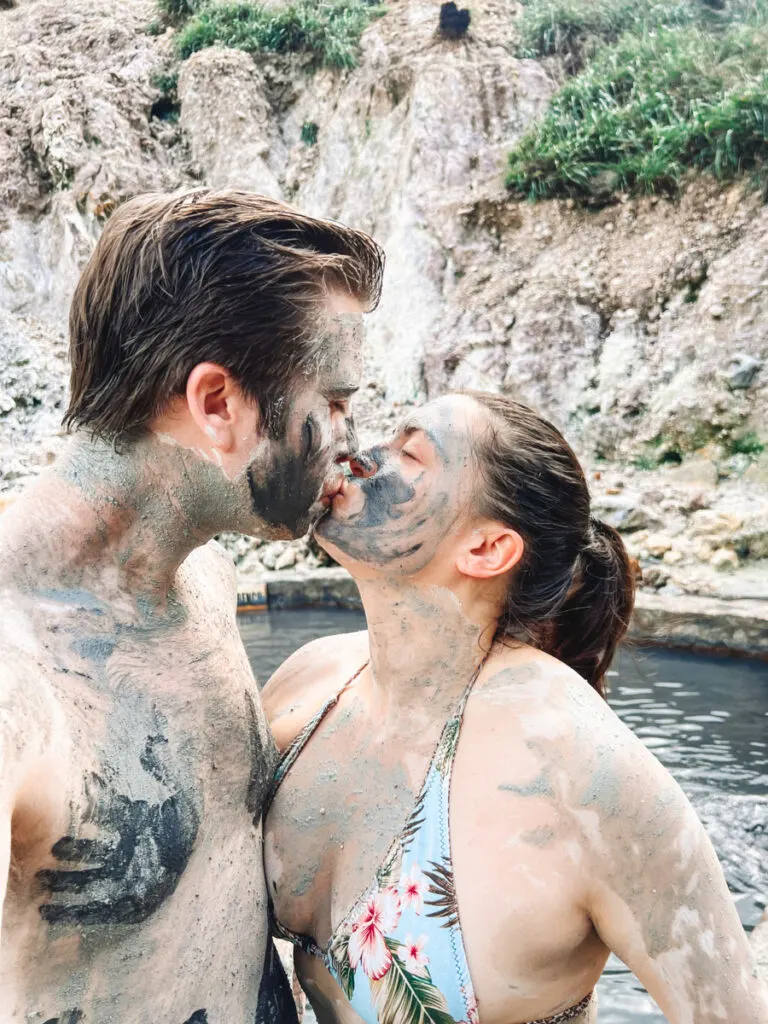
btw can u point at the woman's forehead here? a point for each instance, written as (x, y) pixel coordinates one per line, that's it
(449, 417)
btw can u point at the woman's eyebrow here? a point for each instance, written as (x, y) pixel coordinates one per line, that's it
(411, 427)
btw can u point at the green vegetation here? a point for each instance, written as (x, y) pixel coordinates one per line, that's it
(178, 10)
(670, 87)
(748, 444)
(573, 29)
(166, 107)
(309, 131)
(330, 31)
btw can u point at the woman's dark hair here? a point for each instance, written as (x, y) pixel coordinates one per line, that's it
(573, 591)
(229, 277)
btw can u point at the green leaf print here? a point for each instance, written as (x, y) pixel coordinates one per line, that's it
(390, 869)
(447, 749)
(442, 894)
(401, 997)
(339, 953)
(415, 820)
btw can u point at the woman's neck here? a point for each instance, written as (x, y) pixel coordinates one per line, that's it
(425, 648)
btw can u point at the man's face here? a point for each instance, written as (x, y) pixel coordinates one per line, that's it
(292, 478)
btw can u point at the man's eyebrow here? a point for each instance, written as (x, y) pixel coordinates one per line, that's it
(338, 392)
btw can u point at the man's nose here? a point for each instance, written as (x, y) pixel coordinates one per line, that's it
(348, 443)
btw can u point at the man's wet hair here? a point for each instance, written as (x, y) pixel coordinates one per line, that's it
(228, 277)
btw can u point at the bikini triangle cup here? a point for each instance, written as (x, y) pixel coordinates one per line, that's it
(400, 942)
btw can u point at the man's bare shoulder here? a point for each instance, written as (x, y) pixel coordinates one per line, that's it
(308, 678)
(211, 570)
(30, 715)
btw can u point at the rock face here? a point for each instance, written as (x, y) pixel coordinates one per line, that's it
(76, 139)
(640, 329)
(33, 373)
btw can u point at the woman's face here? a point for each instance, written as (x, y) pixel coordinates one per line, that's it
(407, 496)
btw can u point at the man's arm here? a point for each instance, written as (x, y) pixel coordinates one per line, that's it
(659, 899)
(26, 717)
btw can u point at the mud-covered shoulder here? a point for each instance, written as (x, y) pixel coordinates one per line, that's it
(210, 570)
(546, 720)
(31, 720)
(308, 678)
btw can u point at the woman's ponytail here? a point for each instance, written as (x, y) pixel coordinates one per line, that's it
(590, 625)
(573, 591)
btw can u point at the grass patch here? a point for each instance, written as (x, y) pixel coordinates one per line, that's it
(647, 109)
(574, 29)
(330, 30)
(309, 133)
(748, 444)
(176, 11)
(166, 107)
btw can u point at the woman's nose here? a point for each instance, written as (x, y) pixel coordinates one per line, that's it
(363, 465)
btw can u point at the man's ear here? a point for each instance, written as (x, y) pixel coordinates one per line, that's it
(490, 551)
(218, 406)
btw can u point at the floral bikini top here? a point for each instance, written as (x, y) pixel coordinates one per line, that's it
(399, 954)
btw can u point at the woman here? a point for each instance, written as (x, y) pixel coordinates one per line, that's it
(460, 828)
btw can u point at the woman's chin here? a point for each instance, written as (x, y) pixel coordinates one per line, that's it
(353, 566)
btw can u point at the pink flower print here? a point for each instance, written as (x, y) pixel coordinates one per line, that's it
(367, 948)
(412, 889)
(473, 1017)
(413, 954)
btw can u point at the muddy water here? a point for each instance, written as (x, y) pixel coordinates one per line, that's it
(705, 718)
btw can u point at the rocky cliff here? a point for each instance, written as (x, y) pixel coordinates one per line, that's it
(641, 329)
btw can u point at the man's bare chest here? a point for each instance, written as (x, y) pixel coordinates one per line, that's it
(160, 744)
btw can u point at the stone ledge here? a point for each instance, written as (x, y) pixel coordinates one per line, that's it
(703, 623)
(684, 621)
(327, 588)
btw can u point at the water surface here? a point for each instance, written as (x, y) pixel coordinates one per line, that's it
(705, 718)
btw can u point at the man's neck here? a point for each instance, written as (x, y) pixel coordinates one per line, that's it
(115, 518)
(425, 648)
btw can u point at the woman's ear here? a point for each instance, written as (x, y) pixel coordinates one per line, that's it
(219, 407)
(490, 551)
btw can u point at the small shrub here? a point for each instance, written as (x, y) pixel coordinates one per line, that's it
(645, 111)
(178, 10)
(748, 444)
(166, 107)
(573, 29)
(330, 31)
(309, 132)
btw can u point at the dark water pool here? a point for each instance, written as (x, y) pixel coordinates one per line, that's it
(705, 718)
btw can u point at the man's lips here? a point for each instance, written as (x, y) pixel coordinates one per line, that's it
(332, 489)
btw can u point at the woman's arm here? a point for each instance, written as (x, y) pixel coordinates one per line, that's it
(659, 899)
(311, 675)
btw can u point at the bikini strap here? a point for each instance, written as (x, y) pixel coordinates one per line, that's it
(470, 687)
(292, 752)
(449, 738)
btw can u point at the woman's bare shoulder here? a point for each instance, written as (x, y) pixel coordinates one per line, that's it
(311, 675)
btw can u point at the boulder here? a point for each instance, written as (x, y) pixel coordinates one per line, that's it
(708, 523)
(742, 370)
(701, 474)
(724, 560)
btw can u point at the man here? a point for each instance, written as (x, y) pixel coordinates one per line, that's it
(215, 343)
